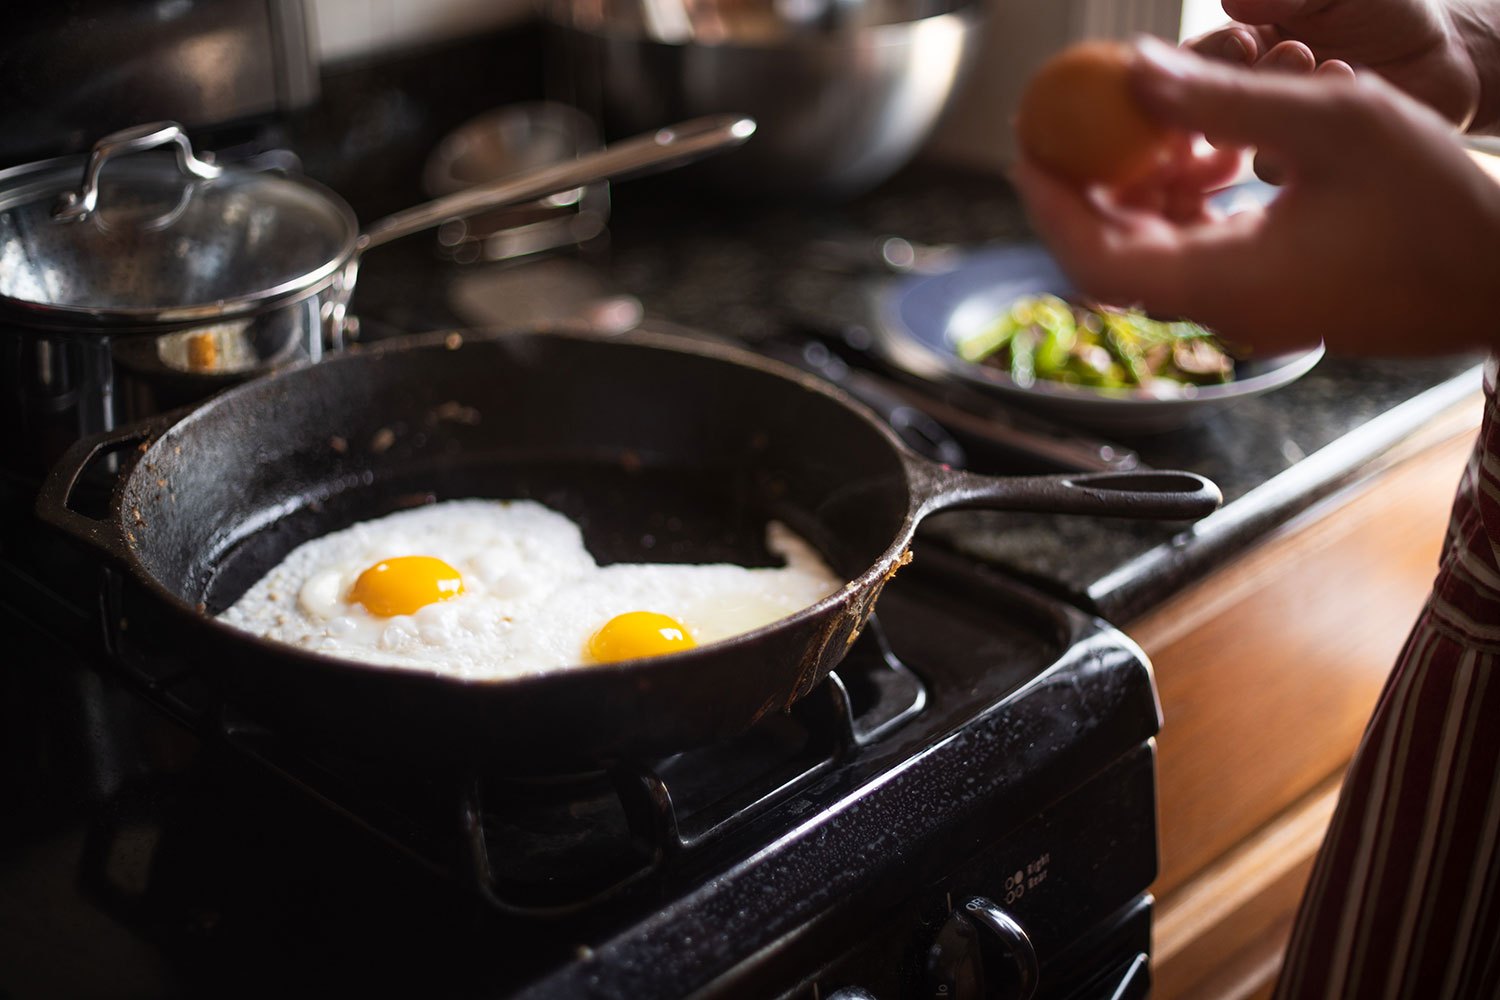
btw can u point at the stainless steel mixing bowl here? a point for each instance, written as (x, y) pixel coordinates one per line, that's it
(844, 91)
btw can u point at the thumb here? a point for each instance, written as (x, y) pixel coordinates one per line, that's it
(1303, 120)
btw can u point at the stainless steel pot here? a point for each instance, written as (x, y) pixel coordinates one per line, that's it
(845, 91)
(148, 284)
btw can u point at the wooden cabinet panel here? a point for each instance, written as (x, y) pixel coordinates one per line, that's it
(1222, 935)
(1268, 672)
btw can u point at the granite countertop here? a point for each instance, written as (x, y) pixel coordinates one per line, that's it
(750, 270)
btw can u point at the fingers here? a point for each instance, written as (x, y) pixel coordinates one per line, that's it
(1285, 57)
(1292, 116)
(1178, 189)
(1263, 43)
(1288, 57)
(1104, 251)
(1205, 169)
(1236, 44)
(1246, 46)
(1062, 213)
(1335, 69)
(1074, 224)
(1266, 167)
(1123, 255)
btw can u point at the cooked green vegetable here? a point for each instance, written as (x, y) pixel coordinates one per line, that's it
(1042, 336)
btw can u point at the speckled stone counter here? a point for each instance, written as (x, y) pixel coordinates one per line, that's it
(754, 271)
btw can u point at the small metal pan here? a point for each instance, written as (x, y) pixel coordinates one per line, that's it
(135, 283)
(693, 445)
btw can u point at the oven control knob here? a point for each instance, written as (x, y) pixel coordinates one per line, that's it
(981, 953)
(850, 993)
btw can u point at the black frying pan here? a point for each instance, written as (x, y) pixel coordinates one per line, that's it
(660, 448)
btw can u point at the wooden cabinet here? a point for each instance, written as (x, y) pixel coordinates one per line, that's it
(1268, 671)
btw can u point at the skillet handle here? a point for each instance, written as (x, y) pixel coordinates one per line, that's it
(1141, 493)
(54, 502)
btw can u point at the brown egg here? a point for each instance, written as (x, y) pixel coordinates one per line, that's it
(1078, 118)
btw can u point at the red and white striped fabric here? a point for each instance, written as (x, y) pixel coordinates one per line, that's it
(1404, 900)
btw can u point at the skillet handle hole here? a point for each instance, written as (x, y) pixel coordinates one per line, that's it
(94, 482)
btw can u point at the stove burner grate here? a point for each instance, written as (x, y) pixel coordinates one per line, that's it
(550, 846)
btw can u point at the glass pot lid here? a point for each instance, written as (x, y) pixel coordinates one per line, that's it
(142, 238)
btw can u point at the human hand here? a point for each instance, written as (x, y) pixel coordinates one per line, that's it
(1431, 51)
(1381, 241)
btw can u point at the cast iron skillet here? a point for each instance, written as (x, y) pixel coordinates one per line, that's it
(661, 448)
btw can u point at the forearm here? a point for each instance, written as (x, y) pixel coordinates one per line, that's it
(1477, 23)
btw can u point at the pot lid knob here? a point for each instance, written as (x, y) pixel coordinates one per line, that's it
(76, 205)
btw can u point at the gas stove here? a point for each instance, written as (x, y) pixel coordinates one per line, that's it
(965, 809)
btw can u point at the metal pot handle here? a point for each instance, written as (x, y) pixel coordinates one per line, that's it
(651, 150)
(54, 500)
(1142, 493)
(78, 205)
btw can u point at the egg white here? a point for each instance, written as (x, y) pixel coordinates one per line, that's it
(533, 594)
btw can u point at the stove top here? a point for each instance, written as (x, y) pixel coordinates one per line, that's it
(931, 812)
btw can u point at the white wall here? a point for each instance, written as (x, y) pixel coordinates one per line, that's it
(976, 131)
(1200, 15)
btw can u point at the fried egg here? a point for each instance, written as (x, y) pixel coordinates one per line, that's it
(486, 589)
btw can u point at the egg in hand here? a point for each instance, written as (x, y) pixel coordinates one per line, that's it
(482, 588)
(1078, 118)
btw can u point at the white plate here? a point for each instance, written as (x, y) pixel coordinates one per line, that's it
(919, 319)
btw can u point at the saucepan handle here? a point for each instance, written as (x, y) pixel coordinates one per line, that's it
(1141, 493)
(55, 500)
(674, 144)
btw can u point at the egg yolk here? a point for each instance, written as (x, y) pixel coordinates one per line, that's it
(636, 634)
(405, 584)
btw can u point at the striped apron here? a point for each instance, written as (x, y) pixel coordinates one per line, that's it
(1404, 899)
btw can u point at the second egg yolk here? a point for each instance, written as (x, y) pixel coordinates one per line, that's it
(636, 634)
(403, 585)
